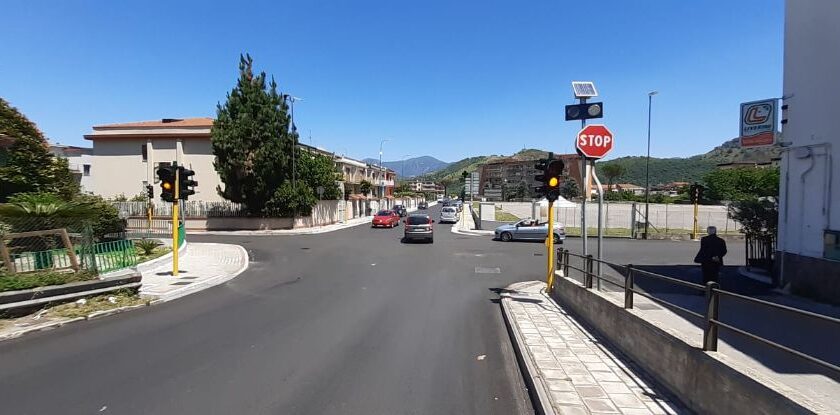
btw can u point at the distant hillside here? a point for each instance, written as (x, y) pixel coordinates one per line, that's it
(453, 171)
(411, 167)
(665, 170)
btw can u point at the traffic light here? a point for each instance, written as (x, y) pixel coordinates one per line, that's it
(696, 192)
(150, 191)
(584, 111)
(551, 171)
(166, 176)
(187, 184)
(554, 172)
(541, 167)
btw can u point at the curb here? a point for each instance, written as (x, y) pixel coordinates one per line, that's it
(540, 397)
(56, 324)
(154, 262)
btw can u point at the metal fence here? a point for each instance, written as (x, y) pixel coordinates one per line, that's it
(189, 209)
(583, 269)
(35, 242)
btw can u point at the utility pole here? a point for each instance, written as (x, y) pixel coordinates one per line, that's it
(647, 168)
(381, 180)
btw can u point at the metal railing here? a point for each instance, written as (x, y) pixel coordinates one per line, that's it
(711, 316)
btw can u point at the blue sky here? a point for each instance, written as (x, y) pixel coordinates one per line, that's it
(441, 78)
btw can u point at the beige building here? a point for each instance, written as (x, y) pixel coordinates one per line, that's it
(126, 156)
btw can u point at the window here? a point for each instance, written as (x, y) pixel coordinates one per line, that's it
(144, 151)
(832, 245)
(86, 169)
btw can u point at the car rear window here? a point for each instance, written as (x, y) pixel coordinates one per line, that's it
(448, 210)
(383, 213)
(418, 220)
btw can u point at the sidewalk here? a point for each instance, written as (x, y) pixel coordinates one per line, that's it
(201, 265)
(571, 371)
(466, 225)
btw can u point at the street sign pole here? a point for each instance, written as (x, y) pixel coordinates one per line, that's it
(175, 221)
(600, 223)
(584, 234)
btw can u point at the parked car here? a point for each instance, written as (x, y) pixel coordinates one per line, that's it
(422, 205)
(386, 219)
(400, 209)
(419, 226)
(529, 229)
(459, 204)
(449, 214)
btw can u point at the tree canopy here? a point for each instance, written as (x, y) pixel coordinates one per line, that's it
(252, 140)
(26, 165)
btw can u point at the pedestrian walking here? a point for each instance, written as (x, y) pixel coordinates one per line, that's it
(710, 256)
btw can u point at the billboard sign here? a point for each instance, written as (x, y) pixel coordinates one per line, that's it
(758, 123)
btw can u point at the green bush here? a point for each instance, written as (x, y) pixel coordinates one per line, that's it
(11, 282)
(289, 201)
(147, 245)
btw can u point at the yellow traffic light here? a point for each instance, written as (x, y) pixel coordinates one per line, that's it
(553, 182)
(166, 185)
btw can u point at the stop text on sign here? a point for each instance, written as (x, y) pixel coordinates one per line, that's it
(594, 141)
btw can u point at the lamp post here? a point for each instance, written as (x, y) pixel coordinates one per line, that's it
(381, 180)
(647, 168)
(293, 130)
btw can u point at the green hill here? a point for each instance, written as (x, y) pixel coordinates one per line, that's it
(663, 170)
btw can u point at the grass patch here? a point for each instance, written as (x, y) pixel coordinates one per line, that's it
(502, 216)
(11, 282)
(156, 253)
(117, 299)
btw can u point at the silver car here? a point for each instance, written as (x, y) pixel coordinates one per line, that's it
(529, 229)
(419, 226)
(448, 214)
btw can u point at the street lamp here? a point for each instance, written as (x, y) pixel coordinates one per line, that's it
(293, 130)
(381, 180)
(647, 168)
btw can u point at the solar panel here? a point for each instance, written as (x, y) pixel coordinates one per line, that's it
(584, 89)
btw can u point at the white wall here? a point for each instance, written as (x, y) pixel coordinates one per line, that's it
(118, 166)
(810, 196)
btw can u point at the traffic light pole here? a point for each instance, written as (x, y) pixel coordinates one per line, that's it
(696, 211)
(549, 242)
(175, 224)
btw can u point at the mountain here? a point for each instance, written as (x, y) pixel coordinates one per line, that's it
(690, 169)
(412, 167)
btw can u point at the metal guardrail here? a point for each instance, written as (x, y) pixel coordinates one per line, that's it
(713, 295)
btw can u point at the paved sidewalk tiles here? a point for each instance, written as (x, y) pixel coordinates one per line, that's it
(583, 375)
(201, 265)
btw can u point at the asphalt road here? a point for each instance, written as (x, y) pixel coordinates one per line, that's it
(349, 322)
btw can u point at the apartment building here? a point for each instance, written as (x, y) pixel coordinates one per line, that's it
(513, 178)
(80, 162)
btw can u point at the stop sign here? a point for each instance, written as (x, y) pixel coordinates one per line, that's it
(594, 141)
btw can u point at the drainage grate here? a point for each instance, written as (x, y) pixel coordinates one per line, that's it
(181, 283)
(484, 270)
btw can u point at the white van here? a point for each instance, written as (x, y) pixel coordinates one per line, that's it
(448, 214)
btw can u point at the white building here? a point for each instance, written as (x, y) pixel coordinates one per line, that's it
(808, 246)
(126, 156)
(79, 160)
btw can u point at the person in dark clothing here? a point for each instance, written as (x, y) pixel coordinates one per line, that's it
(710, 256)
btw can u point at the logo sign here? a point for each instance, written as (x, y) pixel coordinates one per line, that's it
(758, 123)
(594, 141)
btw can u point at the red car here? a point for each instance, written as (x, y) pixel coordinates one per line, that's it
(386, 218)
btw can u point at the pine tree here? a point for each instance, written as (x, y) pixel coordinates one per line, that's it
(252, 140)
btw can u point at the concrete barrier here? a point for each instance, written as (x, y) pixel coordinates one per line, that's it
(704, 382)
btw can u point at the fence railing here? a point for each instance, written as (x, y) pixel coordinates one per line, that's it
(189, 209)
(585, 265)
(99, 257)
(760, 252)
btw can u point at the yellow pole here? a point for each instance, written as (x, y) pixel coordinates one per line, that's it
(549, 242)
(696, 209)
(175, 226)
